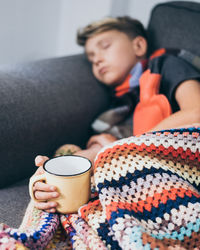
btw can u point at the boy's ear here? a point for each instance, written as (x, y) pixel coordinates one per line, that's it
(140, 46)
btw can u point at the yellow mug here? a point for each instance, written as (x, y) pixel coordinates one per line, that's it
(71, 174)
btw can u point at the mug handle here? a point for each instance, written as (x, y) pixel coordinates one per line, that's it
(32, 181)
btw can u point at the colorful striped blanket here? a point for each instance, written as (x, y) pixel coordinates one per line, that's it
(146, 195)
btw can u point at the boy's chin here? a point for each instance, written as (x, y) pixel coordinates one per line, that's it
(112, 83)
(111, 79)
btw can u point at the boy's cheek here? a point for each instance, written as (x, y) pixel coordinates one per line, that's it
(94, 71)
(97, 76)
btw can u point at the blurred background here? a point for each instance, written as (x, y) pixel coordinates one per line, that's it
(37, 29)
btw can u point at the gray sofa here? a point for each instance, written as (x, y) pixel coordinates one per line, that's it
(47, 103)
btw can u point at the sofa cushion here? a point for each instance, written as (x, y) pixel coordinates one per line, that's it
(43, 105)
(14, 200)
(175, 25)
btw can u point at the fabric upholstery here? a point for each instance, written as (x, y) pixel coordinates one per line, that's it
(13, 202)
(43, 105)
(175, 25)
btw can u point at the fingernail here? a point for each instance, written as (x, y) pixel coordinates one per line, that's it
(38, 159)
(52, 188)
(55, 195)
(52, 204)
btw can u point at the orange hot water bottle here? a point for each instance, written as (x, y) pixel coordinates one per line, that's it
(153, 107)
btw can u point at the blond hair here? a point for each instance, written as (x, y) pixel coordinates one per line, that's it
(131, 27)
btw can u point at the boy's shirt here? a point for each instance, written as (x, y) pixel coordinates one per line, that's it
(168, 68)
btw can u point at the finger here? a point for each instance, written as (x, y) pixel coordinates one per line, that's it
(40, 195)
(40, 160)
(102, 139)
(98, 139)
(108, 137)
(41, 186)
(39, 171)
(48, 206)
(52, 210)
(92, 140)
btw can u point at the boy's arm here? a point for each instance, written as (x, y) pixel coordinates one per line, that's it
(187, 96)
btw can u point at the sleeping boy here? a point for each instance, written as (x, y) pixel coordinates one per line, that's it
(117, 50)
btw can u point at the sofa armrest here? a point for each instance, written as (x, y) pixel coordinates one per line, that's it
(43, 105)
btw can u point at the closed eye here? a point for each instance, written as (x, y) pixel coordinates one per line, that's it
(105, 46)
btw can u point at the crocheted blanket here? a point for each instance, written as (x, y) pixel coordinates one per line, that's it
(147, 196)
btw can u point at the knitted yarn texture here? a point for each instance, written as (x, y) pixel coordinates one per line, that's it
(148, 192)
(146, 196)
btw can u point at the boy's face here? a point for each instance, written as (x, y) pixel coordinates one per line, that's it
(112, 54)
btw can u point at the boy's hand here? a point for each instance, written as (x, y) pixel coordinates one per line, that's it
(43, 191)
(89, 153)
(102, 140)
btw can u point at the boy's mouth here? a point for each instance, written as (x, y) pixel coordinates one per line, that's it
(103, 70)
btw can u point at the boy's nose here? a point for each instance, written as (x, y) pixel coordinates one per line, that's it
(98, 58)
